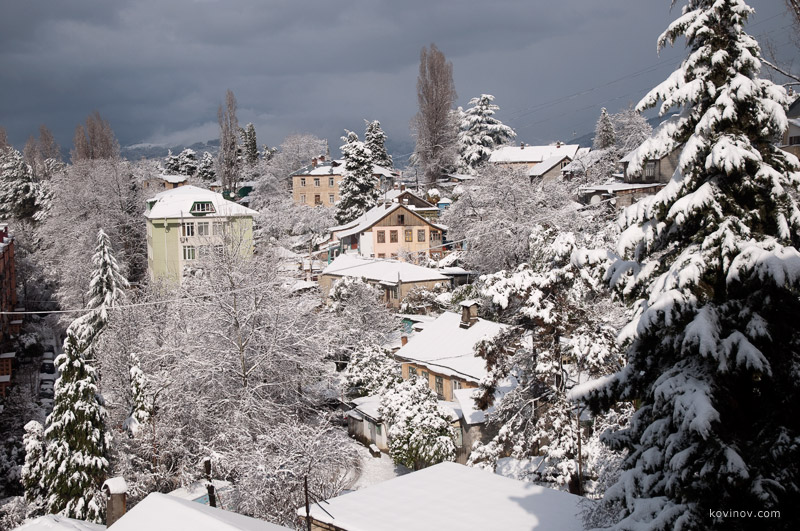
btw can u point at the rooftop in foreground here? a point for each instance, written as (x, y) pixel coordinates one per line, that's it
(452, 496)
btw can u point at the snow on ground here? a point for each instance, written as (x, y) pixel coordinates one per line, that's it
(375, 470)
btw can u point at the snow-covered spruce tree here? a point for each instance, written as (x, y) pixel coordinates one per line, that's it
(32, 470)
(375, 140)
(371, 371)
(567, 319)
(75, 461)
(712, 261)
(18, 186)
(419, 432)
(249, 144)
(106, 289)
(480, 133)
(604, 135)
(358, 190)
(206, 170)
(141, 399)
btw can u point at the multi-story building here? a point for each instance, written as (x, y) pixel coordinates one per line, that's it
(187, 224)
(9, 324)
(318, 183)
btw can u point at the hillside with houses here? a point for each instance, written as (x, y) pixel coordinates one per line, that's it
(503, 333)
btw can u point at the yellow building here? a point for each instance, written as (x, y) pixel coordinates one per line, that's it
(187, 224)
(318, 183)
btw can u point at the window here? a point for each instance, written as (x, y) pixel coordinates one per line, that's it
(317, 199)
(202, 228)
(330, 181)
(435, 235)
(412, 371)
(302, 181)
(394, 256)
(187, 229)
(425, 375)
(379, 429)
(391, 292)
(401, 219)
(409, 234)
(456, 384)
(794, 140)
(216, 228)
(650, 169)
(330, 198)
(188, 252)
(392, 236)
(381, 255)
(202, 207)
(303, 198)
(381, 236)
(440, 387)
(421, 235)
(459, 436)
(316, 182)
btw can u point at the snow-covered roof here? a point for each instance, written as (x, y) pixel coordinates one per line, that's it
(8, 355)
(371, 217)
(384, 171)
(547, 165)
(161, 512)
(532, 153)
(178, 202)
(794, 121)
(617, 187)
(173, 179)
(368, 405)
(57, 522)
(584, 160)
(381, 270)
(452, 496)
(446, 348)
(335, 167)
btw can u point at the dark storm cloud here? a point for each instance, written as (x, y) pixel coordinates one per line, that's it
(158, 70)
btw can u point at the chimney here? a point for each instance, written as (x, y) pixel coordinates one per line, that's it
(116, 491)
(402, 187)
(469, 313)
(322, 158)
(212, 498)
(314, 162)
(403, 340)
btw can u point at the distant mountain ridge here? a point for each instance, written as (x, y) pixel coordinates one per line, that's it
(155, 151)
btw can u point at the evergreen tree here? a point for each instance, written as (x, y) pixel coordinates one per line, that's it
(32, 470)
(75, 463)
(141, 400)
(249, 144)
(171, 163)
(375, 140)
(419, 432)
(107, 284)
(358, 190)
(604, 135)
(19, 188)
(371, 371)
(206, 170)
(713, 266)
(184, 163)
(480, 133)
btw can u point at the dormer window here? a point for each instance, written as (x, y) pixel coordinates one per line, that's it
(202, 207)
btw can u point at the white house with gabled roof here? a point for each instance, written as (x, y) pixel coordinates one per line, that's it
(187, 224)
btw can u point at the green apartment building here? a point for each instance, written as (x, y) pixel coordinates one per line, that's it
(185, 225)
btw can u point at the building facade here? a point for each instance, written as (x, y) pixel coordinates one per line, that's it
(185, 226)
(318, 183)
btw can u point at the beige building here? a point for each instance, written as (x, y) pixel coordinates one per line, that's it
(165, 182)
(390, 230)
(394, 277)
(318, 183)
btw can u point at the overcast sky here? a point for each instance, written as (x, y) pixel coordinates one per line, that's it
(157, 70)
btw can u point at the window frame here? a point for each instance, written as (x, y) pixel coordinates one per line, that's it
(302, 181)
(187, 229)
(331, 181)
(189, 253)
(331, 199)
(381, 236)
(439, 386)
(316, 182)
(420, 235)
(203, 229)
(394, 236)
(408, 235)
